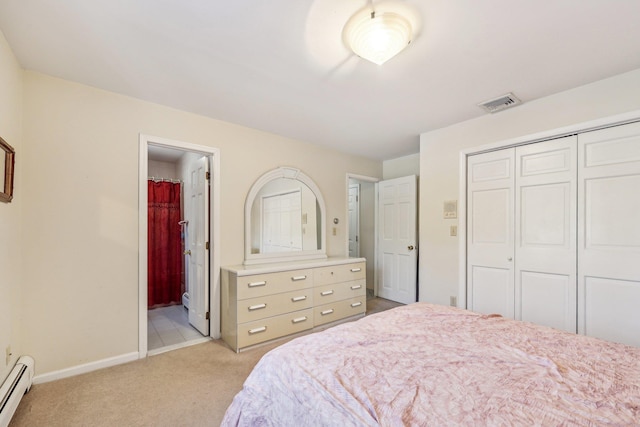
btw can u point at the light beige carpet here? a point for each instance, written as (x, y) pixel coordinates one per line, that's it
(376, 305)
(191, 386)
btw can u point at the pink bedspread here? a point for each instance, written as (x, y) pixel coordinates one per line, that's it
(432, 365)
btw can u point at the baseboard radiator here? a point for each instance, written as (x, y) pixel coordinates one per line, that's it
(14, 387)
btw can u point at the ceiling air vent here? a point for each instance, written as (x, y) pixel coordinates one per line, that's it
(500, 103)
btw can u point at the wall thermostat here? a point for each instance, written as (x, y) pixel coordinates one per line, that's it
(450, 210)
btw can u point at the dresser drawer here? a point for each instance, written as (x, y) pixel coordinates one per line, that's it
(339, 310)
(273, 283)
(272, 305)
(338, 291)
(339, 273)
(274, 327)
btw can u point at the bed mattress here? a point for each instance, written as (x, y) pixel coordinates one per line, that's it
(425, 364)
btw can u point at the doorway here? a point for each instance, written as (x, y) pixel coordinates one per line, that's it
(397, 239)
(386, 233)
(361, 224)
(193, 316)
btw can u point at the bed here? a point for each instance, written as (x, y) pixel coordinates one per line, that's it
(424, 364)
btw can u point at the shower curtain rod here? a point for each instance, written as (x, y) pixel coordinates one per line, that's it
(154, 179)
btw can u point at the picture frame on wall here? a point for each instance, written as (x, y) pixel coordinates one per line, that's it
(7, 162)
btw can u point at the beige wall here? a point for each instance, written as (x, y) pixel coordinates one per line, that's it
(166, 170)
(80, 222)
(402, 166)
(10, 225)
(439, 163)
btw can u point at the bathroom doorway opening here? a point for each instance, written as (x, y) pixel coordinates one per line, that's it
(188, 312)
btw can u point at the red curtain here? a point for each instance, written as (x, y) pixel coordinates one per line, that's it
(164, 244)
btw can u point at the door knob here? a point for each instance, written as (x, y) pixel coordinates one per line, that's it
(187, 252)
(510, 259)
(410, 247)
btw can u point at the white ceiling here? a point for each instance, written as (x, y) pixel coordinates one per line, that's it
(281, 65)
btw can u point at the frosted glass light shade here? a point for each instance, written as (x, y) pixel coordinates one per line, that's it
(377, 37)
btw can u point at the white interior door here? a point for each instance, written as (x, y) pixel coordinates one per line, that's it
(545, 233)
(609, 237)
(282, 222)
(397, 239)
(354, 220)
(198, 241)
(490, 240)
(270, 224)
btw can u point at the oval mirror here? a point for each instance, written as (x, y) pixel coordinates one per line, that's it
(284, 218)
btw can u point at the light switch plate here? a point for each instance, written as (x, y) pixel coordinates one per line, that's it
(453, 230)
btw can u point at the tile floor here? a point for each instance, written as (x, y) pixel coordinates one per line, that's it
(168, 326)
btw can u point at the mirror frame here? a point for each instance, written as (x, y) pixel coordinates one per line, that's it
(6, 190)
(289, 173)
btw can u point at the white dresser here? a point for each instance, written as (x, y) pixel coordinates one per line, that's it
(263, 302)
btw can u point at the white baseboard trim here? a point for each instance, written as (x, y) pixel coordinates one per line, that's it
(87, 367)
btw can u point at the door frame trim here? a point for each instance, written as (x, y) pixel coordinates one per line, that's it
(348, 219)
(561, 132)
(214, 232)
(374, 181)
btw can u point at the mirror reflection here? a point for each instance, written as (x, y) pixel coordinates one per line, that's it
(285, 217)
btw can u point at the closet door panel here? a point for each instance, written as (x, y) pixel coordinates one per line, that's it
(609, 199)
(492, 216)
(545, 233)
(544, 216)
(612, 309)
(609, 238)
(547, 298)
(492, 291)
(490, 233)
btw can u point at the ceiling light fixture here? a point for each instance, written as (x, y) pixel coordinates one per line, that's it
(377, 37)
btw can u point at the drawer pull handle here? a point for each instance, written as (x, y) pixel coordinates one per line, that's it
(257, 330)
(356, 304)
(325, 293)
(325, 312)
(299, 319)
(300, 298)
(256, 284)
(257, 306)
(355, 270)
(354, 287)
(297, 278)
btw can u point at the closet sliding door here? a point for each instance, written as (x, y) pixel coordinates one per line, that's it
(490, 203)
(554, 233)
(521, 242)
(609, 238)
(545, 233)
